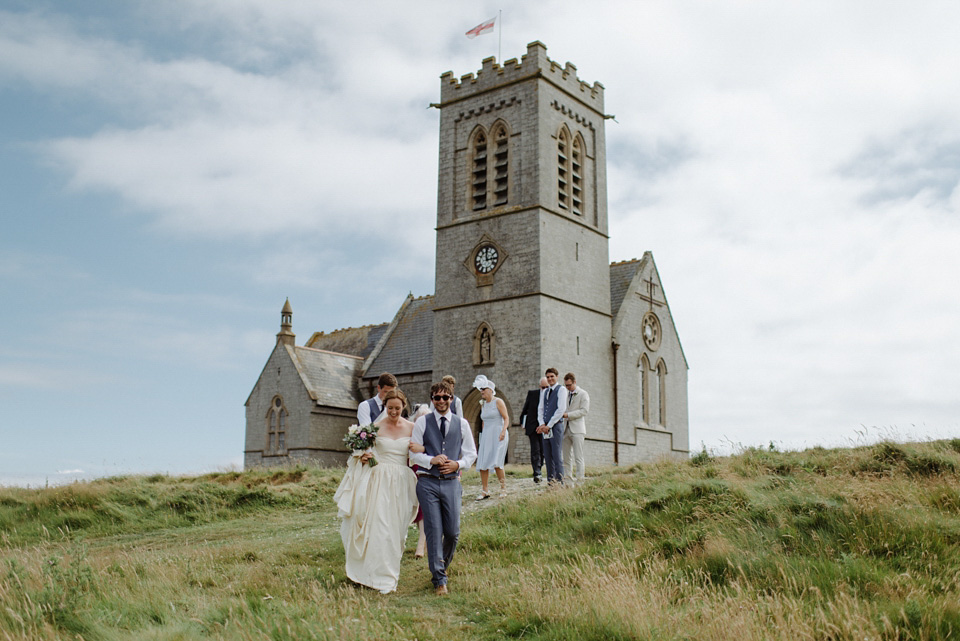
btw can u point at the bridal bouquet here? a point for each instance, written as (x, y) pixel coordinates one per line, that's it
(360, 438)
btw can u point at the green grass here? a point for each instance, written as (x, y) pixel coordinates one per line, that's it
(860, 543)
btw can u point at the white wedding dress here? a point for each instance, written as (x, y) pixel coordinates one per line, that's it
(377, 506)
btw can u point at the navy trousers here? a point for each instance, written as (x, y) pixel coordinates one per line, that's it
(440, 501)
(536, 453)
(553, 453)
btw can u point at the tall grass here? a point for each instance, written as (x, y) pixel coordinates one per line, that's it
(860, 543)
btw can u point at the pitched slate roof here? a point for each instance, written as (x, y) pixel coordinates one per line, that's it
(330, 378)
(409, 347)
(358, 341)
(621, 274)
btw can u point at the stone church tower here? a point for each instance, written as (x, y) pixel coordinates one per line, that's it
(522, 259)
(523, 283)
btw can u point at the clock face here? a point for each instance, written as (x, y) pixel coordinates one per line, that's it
(486, 259)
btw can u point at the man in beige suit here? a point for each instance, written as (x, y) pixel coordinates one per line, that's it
(575, 428)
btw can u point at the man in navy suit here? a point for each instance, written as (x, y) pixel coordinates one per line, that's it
(530, 420)
(550, 411)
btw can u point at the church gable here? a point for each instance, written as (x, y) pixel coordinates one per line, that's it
(644, 306)
(653, 363)
(269, 435)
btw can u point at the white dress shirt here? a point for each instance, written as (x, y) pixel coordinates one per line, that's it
(468, 449)
(550, 421)
(363, 412)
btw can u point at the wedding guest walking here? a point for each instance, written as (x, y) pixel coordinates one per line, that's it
(378, 504)
(552, 406)
(494, 439)
(371, 409)
(530, 420)
(449, 448)
(575, 428)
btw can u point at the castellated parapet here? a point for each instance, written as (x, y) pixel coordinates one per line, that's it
(534, 63)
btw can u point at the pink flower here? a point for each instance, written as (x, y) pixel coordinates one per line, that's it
(363, 435)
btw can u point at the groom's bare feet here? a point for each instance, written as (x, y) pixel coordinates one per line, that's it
(442, 590)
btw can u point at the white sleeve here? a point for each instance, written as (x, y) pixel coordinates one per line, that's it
(420, 458)
(363, 413)
(468, 448)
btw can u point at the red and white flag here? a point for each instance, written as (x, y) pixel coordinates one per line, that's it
(482, 28)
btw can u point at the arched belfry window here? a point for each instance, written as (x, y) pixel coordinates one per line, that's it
(644, 371)
(276, 427)
(478, 164)
(576, 176)
(484, 344)
(501, 165)
(662, 387)
(563, 168)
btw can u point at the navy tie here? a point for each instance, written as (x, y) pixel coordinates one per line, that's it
(443, 426)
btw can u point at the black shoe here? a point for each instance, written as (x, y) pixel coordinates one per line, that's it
(536, 479)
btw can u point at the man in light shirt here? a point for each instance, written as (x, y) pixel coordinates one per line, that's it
(369, 410)
(449, 448)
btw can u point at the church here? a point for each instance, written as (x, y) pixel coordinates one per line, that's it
(523, 283)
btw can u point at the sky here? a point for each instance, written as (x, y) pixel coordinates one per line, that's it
(171, 172)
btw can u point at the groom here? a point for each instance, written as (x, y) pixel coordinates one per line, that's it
(449, 446)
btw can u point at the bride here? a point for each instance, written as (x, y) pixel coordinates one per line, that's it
(378, 504)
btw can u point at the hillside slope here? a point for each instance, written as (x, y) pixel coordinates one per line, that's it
(857, 543)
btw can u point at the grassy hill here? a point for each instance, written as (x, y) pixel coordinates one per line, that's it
(857, 543)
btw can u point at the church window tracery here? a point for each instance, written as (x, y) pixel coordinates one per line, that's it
(276, 427)
(490, 167)
(479, 170)
(501, 165)
(576, 176)
(563, 169)
(662, 387)
(644, 368)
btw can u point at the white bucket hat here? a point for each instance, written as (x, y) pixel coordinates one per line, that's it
(482, 382)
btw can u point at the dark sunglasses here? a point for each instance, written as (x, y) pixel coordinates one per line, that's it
(438, 397)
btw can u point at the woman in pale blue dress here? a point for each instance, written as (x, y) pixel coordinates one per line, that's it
(494, 438)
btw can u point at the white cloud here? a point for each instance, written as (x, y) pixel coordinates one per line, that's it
(793, 166)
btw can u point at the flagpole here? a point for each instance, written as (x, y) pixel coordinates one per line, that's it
(500, 38)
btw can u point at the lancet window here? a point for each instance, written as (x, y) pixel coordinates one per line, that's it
(644, 370)
(479, 171)
(501, 165)
(563, 169)
(576, 176)
(276, 427)
(662, 385)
